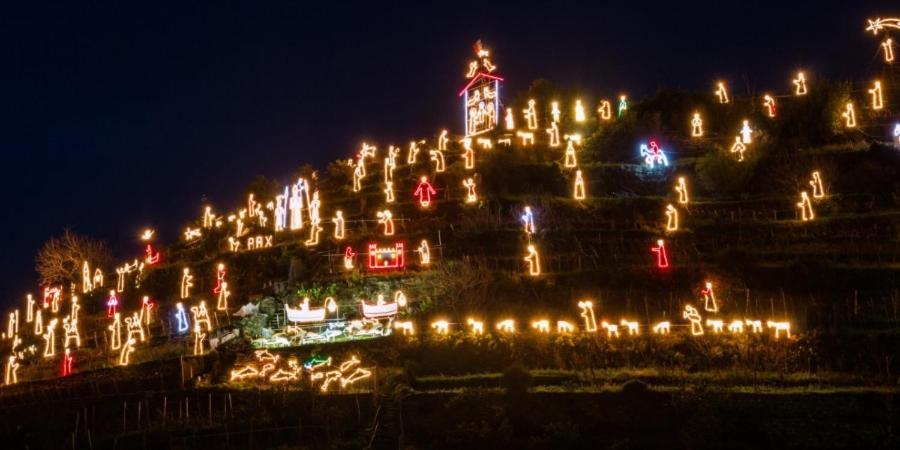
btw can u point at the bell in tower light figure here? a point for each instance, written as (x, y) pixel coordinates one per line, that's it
(481, 99)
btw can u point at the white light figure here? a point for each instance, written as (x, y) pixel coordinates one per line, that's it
(527, 219)
(405, 327)
(115, 332)
(554, 112)
(187, 282)
(880, 24)
(849, 115)
(29, 308)
(578, 190)
(468, 154)
(485, 143)
(570, 161)
(392, 154)
(437, 157)
(897, 133)
(424, 252)
(653, 155)
(86, 281)
(534, 260)
(281, 210)
(877, 100)
(338, 221)
(663, 327)
(717, 325)
(553, 131)
(71, 332)
(469, 184)
(800, 84)
(386, 218)
(690, 313)
(542, 326)
(682, 190)
(817, 187)
(632, 327)
(746, 132)
(349, 254)
(779, 328)
(477, 326)
(443, 140)
(314, 230)
(526, 136)
(709, 298)
(222, 301)
(806, 209)
(563, 327)
(587, 313)
(413, 153)
(181, 318)
(888, 47)
(736, 327)
(50, 339)
(441, 326)
(506, 326)
(38, 323)
(531, 115)
(696, 125)
(623, 106)
(201, 316)
(605, 110)
(424, 191)
(721, 92)
(358, 173)
(579, 111)
(671, 218)
(755, 325)
(769, 104)
(738, 148)
(509, 120)
(612, 330)
(295, 205)
(233, 244)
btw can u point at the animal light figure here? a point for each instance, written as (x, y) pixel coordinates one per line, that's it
(469, 184)
(509, 120)
(849, 115)
(579, 111)
(633, 327)
(662, 259)
(571, 160)
(437, 156)
(349, 255)
(653, 155)
(441, 326)
(722, 92)
(682, 190)
(736, 327)
(605, 110)
(800, 84)
(769, 104)
(424, 191)
(612, 330)
(623, 106)
(739, 148)
(578, 192)
(877, 99)
(485, 143)
(534, 260)
(816, 183)
(696, 125)
(50, 339)
(663, 327)
(112, 304)
(564, 327)
(554, 112)
(553, 131)
(507, 326)
(386, 218)
(222, 301)
(542, 326)
(888, 47)
(709, 298)
(755, 325)
(531, 115)
(779, 328)
(527, 137)
(671, 218)
(476, 326)
(717, 325)
(690, 313)
(587, 313)
(187, 282)
(338, 221)
(805, 205)
(405, 327)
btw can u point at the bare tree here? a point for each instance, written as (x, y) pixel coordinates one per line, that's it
(61, 258)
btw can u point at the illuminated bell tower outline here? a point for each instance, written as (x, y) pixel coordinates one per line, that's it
(481, 94)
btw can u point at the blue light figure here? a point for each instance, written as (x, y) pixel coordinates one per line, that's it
(653, 155)
(181, 317)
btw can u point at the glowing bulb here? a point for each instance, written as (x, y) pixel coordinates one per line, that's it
(682, 190)
(816, 183)
(805, 205)
(721, 92)
(587, 313)
(696, 125)
(531, 115)
(469, 184)
(578, 190)
(800, 84)
(690, 313)
(769, 104)
(877, 100)
(849, 115)
(579, 111)
(671, 218)
(738, 148)
(534, 261)
(424, 191)
(662, 260)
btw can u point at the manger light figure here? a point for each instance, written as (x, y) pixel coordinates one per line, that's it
(386, 218)
(338, 221)
(181, 318)
(717, 325)
(527, 219)
(849, 115)
(780, 327)
(553, 131)
(816, 183)
(437, 157)
(424, 191)
(469, 184)
(877, 99)
(187, 282)
(112, 304)
(682, 190)
(888, 47)
(424, 252)
(579, 112)
(806, 209)
(605, 110)
(623, 106)
(662, 259)
(722, 92)
(571, 162)
(770, 105)
(509, 120)
(476, 326)
(578, 190)
(441, 326)
(612, 330)
(663, 327)
(530, 115)
(739, 148)
(709, 298)
(632, 327)
(697, 125)
(587, 313)
(554, 112)
(691, 314)
(800, 84)
(671, 218)
(534, 260)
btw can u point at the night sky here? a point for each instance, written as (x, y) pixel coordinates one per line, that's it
(118, 116)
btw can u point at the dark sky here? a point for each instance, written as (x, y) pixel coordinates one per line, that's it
(117, 116)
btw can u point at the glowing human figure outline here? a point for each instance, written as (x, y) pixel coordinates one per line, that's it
(690, 313)
(578, 190)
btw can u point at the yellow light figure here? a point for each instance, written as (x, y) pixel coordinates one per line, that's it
(849, 115)
(877, 100)
(574, 137)
(224, 293)
(12, 368)
(314, 230)
(348, 258)
(691, 314)
(542, 326)
(86, 280)
(709, 298)
(71, 332)
(469, 156)
(605, 110)
(563, 327)
(682, 190)
(579, 111)
(506, 326)
(888, 47)
(50, 339)
(38, 323)
(578, 190)
(769, 104)
(386, 218)
(587, 313)
(29, 308)
(780, 327)
(11, 326)
(393, 153)
(358, 173)
(209, 219)
(441, 326)
(98, 278)
(424, 252)
(816, 183)
(405, 327)
(531, 115)
(469, 184)
(554, 112)
(534, 261)
(146, 307)
(199, 340)
(201, 316)
(510, 121)
(338, 221)
(671, 218)
(697, 125)
(115, 332)
(632, 327)
(187, 282)
(125, 353)
(476, 326)
(437, 157)
(800, 84)
(553, 131)
(717, 325)
(413, 153)
(721, 92)
(443, 140)
(755, 325)
(388, 170)
(738, 148)
(806, 209)
(192, 234)
(736, 327)
(485, 143)
(526, 136)
(612, 330)
(663, 327)
(571, 161)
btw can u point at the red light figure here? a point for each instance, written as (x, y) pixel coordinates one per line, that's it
(662, 260)
(112, 304)
(68, 360)
(152, 258)
(220, 277)
(424, 192)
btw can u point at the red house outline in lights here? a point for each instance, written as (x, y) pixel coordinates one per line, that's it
(386, 257)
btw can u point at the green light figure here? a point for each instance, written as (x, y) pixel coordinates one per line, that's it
(623, 106)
